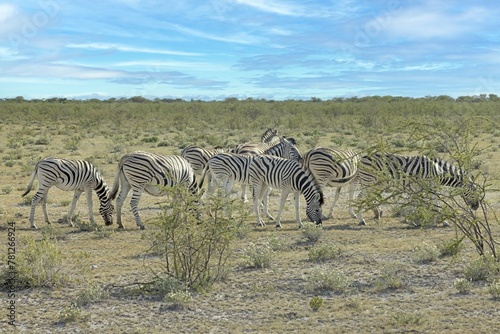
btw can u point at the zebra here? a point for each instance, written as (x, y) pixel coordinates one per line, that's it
(263, 171)
(69, 175)
(402, 168)
(148, 172)
(333, 168)
(285, 149)
(198, 157)
(280, 147)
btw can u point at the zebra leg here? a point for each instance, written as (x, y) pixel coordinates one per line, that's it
(39, 196)
(265, 202)
(352, 188)
(297, 209)
(244, 193)
(134, 203)
(88, 194)
(119, 201)
(335, 199)
(76, 196)
(257, 199)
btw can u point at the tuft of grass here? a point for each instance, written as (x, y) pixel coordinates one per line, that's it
(407, 318)
(463, 286)
(482, 269)
(258, 256)
(178, 300)
(312, 232)
(73, 313)
(324, 252)
(425, 253)
(326, 279)
(494, 289)
(315, 303)
(393, 277)
(451, 247)
(91, 293)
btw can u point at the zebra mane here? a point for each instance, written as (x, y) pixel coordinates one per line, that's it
(269, 135)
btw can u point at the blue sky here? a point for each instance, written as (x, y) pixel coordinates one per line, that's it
(272, 49)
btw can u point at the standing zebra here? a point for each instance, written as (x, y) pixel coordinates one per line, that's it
(70, 175)
(333, 168)
(384, 167)
(148, 172)
(267, 141)
(263, 171)
(283, 147)
(198, 157)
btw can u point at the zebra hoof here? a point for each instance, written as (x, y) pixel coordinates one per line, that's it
(34, 227)
(278, 225)
(143, 227)
(362, 223)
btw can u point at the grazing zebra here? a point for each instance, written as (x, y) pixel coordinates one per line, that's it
(282, 147)
(148, 172)
(333, 168)
(269, 138)
(263, 171)
(198, 157)
(401, 169)
(70, 175)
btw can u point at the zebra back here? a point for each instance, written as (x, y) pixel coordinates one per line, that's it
(285, 148)
(332, 167)
(198, 156)
(142, 168)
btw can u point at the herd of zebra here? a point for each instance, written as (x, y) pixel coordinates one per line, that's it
(275, 162)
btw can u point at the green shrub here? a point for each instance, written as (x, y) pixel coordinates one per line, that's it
(258, 256)
(91, 293)
(494, 289)
(393, 276)
(315, 303)
(425, 253)
(463, 285)
(325, 279)
(482, 269)
(324, 252)
(312, 232)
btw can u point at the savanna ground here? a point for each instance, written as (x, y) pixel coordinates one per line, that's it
(385, 281)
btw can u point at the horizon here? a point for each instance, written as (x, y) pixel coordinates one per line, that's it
(274, 50)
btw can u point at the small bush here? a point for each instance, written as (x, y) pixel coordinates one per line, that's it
(494, 289)
(92, 292)
(407, 319)
(324, 252)
(393, 276)
(322, 279)
(463, 286)
(178, 299)
(73, 313)
(482, 269)
(451, 247)
(426, 253)
(312, 232)
(315, 303)
(258, 256)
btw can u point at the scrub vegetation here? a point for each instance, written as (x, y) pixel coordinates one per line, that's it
(209, 268)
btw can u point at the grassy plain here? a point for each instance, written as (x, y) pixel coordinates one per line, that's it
(387, 287)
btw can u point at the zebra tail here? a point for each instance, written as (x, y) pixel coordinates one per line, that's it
(30, 185)
(116, 183)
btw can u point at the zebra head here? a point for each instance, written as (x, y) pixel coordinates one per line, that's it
(471, 195)
(314, 208)
(106, 211)
(290, 150)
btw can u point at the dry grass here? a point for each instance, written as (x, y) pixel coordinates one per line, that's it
(268, 300)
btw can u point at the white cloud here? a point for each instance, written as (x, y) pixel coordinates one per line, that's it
(272, 7)
(7, 11)
(118, 47)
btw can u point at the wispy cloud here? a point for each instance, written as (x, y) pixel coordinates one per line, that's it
(124, 48)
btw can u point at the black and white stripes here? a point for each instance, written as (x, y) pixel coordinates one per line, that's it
(264, 171)
(403, 169)
(148, 172)
(70, 175)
